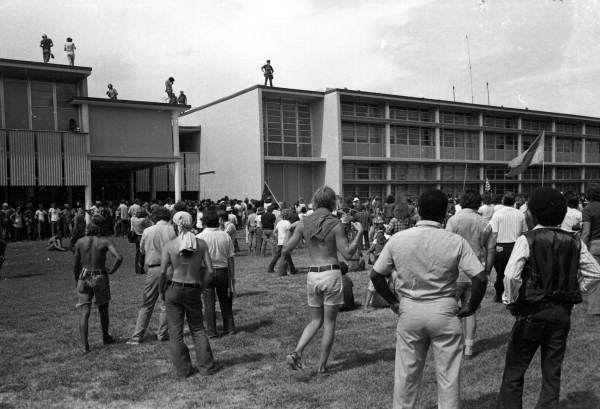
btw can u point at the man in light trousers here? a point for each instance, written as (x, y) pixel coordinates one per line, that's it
(152, 243)
(428, 260)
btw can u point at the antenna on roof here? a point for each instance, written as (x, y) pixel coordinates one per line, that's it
(453, 93)
(487, 87)
(470, 70)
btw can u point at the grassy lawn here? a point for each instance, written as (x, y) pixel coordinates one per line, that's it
(41, 365)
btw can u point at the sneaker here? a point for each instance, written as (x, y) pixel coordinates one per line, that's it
(108, 340)
(133, 341)
(294, 361)
(468, 351)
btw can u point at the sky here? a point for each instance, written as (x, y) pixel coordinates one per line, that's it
(539, 54)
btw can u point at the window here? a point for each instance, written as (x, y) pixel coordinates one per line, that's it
(534, 125)
(42, 106)
(568, 150)
(362, 110)
(459, 144)
(411, 114)
(592, 130)
(364, 192)
(362, 140)
(364, 172)
(499, 146)
(500, 122)
(459, 172)
(16, 107)
(568, 128)
(287, 128)
(412, 142)
(497, 173)
(568, 173)
(535, 173)
(592, 150)
(592, 173)
(413, 172)
(459, 118)
(65, 111)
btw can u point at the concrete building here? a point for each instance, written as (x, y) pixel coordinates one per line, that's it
(119, 149)
(365, 143)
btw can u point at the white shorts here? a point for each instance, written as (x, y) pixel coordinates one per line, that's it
(324, 288)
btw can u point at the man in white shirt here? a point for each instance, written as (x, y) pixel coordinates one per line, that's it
(573, 218)
(122, 215)
(507, 224)
(40, 216)
(54, 213)
(222, 281)
(282, 232)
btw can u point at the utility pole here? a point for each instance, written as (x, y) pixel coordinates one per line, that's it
(470, 69)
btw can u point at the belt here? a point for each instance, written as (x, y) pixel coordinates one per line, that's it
(93, 272)
(184, 285)
(323, 268)
(154, 265)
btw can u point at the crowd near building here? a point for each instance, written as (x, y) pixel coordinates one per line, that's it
(368, 144)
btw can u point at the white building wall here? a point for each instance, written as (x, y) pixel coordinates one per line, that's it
(331, 148)
(231, 146)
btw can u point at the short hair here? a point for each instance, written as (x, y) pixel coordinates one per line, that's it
(171, 79)
(486, 198)
(180, 207)
(471, 199)
(593, 192)
(548, 206)
(572, 199)
(324, 197)
(433, 205)
(69, 39)
(161, 213)
(210, 217)
(508, 199)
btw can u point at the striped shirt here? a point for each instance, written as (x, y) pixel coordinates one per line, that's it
(509, 223)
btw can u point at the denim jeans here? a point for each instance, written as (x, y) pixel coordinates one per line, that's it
(276, 256)
(500, 265)
(150, 297)
(218, 284)
(139, 258)
(186, 303)
(548, 330)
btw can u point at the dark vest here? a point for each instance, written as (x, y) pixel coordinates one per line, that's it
(550, 274)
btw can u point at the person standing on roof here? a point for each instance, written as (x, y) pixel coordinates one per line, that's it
(268, 71)
(46, 45)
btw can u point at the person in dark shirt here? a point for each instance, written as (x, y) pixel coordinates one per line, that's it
(590, 235)
(268, 71)
(46, 45)
(182, 98)
(268, 225)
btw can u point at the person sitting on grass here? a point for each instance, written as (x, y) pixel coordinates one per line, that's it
(55, 243)
(325, 237)
(372, 254)
(91, 276)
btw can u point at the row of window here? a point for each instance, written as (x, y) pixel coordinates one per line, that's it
(42, 104)
(287, 128)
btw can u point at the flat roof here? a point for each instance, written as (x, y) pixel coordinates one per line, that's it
(252, 88)
(125, 103)
(402, 98)
(43, 71)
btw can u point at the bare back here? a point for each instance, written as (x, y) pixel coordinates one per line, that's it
(92, 252)
(323, 252)
(188, 269)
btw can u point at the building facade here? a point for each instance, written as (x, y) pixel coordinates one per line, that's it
(366, 144)
(58, 144)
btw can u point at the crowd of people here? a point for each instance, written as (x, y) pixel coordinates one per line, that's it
(429, 261)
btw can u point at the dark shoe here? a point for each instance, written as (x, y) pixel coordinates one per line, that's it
(108, 340)
(213, 370)
(294, 361)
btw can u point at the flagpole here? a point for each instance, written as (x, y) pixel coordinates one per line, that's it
(543, 160)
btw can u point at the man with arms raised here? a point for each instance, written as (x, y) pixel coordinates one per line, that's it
(325, 237)
(91, 276)
(191, 264)
(428, 260)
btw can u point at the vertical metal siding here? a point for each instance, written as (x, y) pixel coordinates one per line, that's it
(192, 171)
(161, 178)
(171, 177)
(75, 159)
(3, 158)
(22, 158)
(142, 180)
(49, 158)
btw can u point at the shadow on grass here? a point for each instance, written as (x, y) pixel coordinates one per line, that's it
(254, 326)
(11, 277)
(488, 344)
(243, 359)
(580, 400)
(357, 359)
(250, 293)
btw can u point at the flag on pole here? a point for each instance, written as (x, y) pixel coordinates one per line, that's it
(534, 155)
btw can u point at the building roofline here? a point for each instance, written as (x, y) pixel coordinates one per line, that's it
(125, 103)
(190, 128)
(462, 104)
(83, 71)
(252, 88)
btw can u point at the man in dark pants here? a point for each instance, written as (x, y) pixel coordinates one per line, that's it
(507, 224)
(46, 45)
(544, 278)
(183, 297)
(222, 281)
(268, 71)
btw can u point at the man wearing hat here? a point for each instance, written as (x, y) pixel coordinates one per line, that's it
(545, 275)
(91, 276)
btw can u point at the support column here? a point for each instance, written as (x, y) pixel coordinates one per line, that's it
(176, 153)
(438, 148)
(583, 132)
(519, 151)
(152, 184)
(388, 148)
(2, 115)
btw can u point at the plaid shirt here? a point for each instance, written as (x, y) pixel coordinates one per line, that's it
(396, 225)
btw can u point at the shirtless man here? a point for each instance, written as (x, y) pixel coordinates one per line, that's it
(325, 237)
(91, 276)
(191, 264)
